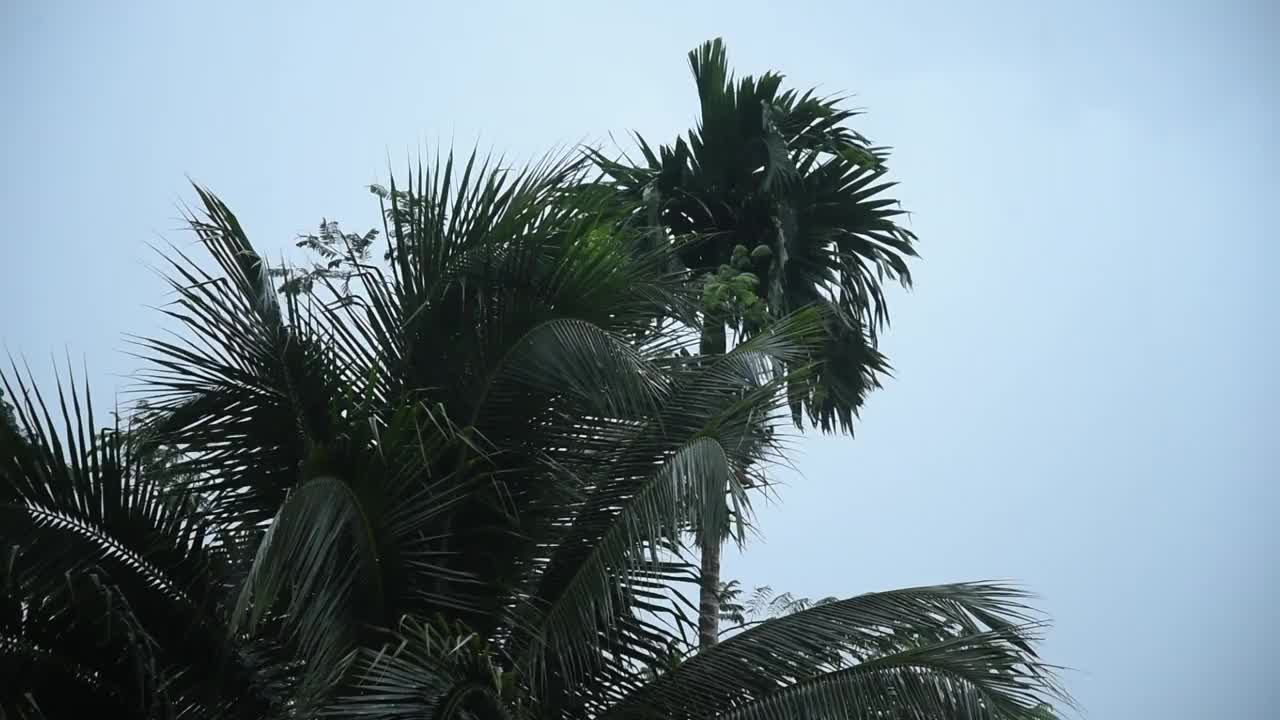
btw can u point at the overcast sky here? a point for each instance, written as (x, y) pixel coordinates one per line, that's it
(1086, 383)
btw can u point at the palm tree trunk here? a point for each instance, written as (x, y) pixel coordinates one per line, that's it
(713, 343)
(709, 596)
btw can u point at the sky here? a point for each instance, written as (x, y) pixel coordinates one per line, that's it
(1085, 390)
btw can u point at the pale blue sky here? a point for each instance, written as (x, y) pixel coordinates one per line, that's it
(1086, 387)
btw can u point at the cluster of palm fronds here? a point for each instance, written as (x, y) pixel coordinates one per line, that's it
(467, 481)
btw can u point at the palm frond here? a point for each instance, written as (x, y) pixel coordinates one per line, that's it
(244, 395)
(675, 472)
(971, 677)
(967, 645)
(97, 545)
(435, 670)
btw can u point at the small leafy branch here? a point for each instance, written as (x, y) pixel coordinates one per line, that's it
(336, 254)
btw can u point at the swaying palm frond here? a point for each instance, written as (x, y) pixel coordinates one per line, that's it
(243, 396)
(965, 644)
(437, 671)
(955, 651)
(57, 659)
(660, 481)
(111, 583)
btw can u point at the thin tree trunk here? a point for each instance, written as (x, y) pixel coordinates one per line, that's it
(709, 596)
(713, 343)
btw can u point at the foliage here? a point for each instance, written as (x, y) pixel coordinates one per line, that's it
(113, 594)
(762, 604)
(774, 190)
(465, 476)
(463, 490)
(337, 256)
(6, 412)
(775, 204)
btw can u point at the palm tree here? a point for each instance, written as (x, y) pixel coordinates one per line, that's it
(462, 490)
(775, 204)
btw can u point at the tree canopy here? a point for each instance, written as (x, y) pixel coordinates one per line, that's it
(464, 477)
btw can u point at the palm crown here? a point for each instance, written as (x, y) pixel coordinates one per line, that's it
(463, 490)
(772, 188)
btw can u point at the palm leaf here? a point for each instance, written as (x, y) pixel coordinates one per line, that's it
(943, 651)
(123, 593)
